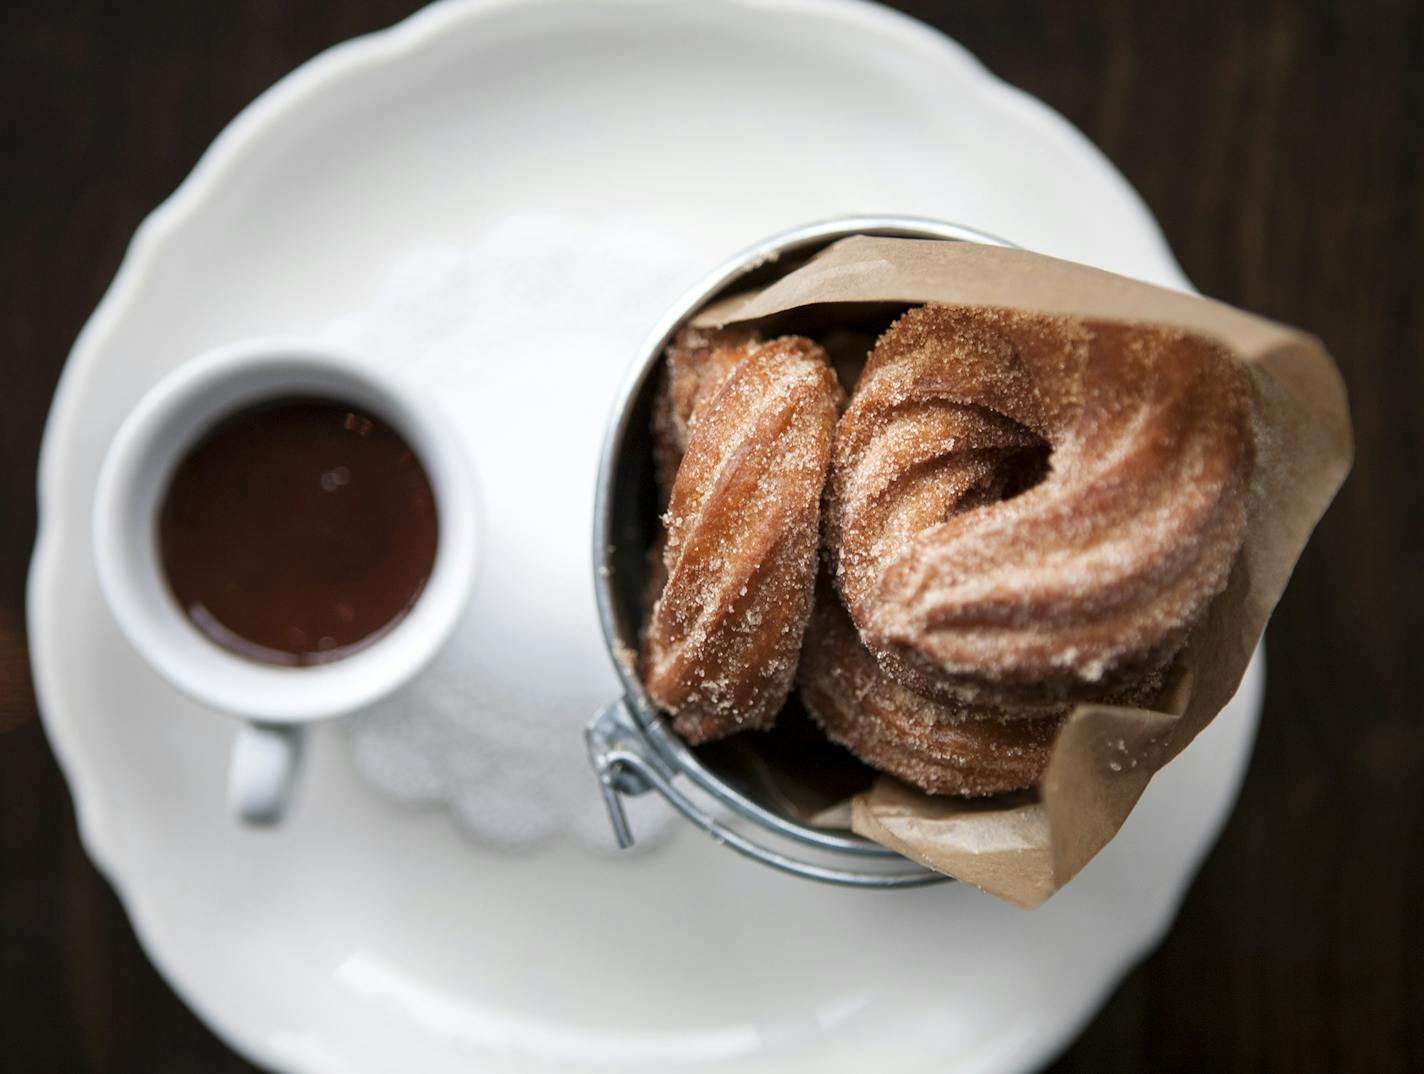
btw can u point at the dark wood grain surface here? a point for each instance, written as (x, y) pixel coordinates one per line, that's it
(1282, 148)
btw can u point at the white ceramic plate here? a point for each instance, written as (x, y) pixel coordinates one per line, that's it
(362, 937)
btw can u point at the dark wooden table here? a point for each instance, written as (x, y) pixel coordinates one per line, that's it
(1282, 148)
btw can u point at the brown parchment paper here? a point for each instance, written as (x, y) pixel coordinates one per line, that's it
(1024, 848)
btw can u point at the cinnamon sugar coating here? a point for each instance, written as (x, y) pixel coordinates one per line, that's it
(943, 747)
(932, 744)
(721, 645)
(697, 362)
(969, 581)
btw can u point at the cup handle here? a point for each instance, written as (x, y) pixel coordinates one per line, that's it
(262, 770)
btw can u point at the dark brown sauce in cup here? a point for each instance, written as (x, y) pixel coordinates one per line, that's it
(298, 531)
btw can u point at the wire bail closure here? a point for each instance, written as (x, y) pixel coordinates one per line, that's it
(628, 763)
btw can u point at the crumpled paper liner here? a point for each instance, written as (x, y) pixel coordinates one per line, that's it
(1023, 848)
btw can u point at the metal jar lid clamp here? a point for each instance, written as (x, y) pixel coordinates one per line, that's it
(630, 745)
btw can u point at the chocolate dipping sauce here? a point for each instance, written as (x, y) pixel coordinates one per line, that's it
(298, 531)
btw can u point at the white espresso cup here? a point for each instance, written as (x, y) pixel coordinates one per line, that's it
(275, 702)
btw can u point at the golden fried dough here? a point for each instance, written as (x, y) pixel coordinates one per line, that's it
(697, 362)
(721, 645)
(970, 581)
(943, 747)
